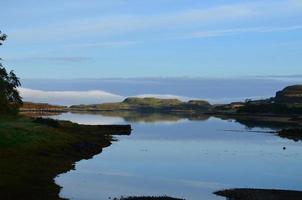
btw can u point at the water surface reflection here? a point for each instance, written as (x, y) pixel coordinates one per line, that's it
(183, 158)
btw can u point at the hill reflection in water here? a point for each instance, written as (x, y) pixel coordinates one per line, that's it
(182, 157)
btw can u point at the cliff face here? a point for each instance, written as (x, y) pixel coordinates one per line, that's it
(290, 94)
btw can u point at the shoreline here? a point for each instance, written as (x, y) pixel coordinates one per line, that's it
(284, 125)
(290, 119)
(63, 144)
(36, 152)
(259, 194)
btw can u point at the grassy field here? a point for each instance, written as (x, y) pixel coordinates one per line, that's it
(34, 153)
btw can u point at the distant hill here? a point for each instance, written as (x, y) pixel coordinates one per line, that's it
(286, 101)
(291, 94)
(148, 105)
(41, 107)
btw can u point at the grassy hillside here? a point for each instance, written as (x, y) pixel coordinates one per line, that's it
(147, 105)
(291, 94)
(286, 102)
(34, 152)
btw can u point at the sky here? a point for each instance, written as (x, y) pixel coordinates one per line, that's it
(66, 39)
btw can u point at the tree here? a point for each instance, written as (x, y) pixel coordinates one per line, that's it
(10, 99)
(2, 37)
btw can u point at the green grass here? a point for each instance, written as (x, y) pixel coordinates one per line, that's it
(32, 154)
(147, 105)
(152, 102)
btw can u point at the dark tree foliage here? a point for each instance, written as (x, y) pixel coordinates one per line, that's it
(2, 37)
(10, 99)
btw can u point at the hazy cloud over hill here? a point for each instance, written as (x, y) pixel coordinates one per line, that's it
(68, 97)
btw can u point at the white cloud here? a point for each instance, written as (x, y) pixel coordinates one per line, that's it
(165, 96)
(83, 97)
(68, 97)
(228, 32)
(117, 24)
(68, 59)
(114, 44)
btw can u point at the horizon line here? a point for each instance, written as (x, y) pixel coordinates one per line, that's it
(168, 77)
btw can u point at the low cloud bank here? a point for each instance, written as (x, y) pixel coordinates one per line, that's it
(68, 98)
(165, 96)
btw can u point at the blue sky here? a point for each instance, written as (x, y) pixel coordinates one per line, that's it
(152, 38)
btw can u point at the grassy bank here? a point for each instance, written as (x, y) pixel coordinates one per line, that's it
(33, 153)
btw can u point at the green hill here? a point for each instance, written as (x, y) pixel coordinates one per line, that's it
(291, 94)
(147, 105)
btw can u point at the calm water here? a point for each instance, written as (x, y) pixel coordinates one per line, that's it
(183, 158)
